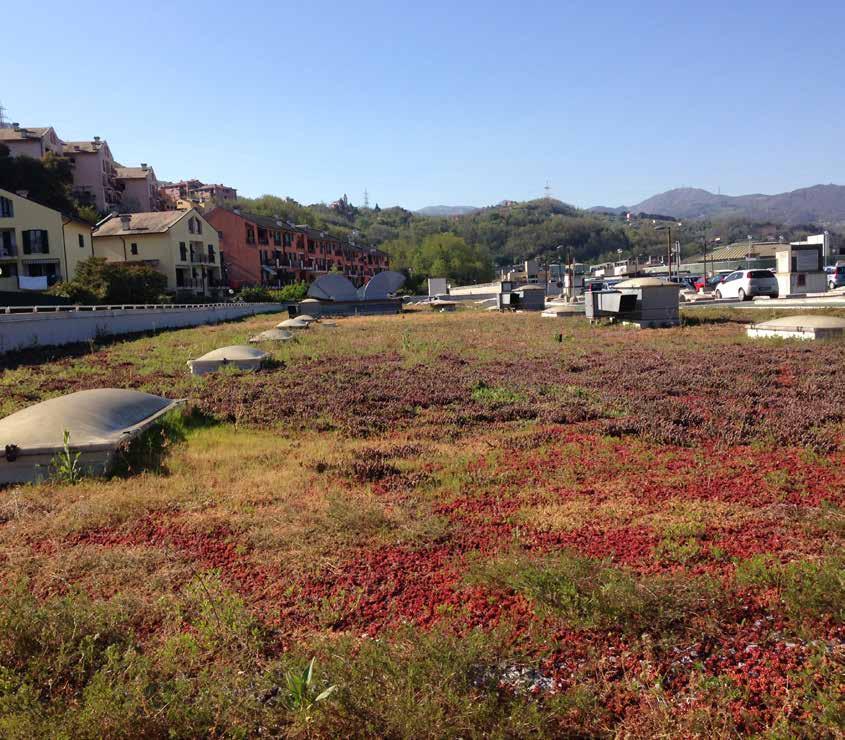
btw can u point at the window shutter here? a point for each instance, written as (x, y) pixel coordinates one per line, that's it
(45, 242)
(27, 242)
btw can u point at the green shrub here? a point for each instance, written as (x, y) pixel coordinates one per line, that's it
(98, 281)
(293, 292)
(809, 589)
(437, 684)
(592, 593)
(260, 294)
(484, 393)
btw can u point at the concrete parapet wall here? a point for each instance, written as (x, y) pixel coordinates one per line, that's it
(54, 325)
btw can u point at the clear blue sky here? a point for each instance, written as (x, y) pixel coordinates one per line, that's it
(443, 102)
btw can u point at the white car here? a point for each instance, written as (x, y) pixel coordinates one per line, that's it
(744, 284)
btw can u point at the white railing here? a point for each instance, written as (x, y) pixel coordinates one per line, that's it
(126, 307)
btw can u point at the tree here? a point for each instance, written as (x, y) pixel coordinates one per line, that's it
(46, 181)
(448, 255)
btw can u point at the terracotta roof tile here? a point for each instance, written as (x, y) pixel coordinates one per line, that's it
(154, 222)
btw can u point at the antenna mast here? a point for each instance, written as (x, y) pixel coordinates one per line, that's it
(366, 199)
(548, 190)
(3, 122)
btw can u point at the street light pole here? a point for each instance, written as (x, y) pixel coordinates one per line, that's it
(668, 230)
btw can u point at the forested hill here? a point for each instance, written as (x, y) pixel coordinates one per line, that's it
(468, 247)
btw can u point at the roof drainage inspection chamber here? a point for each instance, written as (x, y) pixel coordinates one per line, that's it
(800, 327)
(98, 423)
(240, 356)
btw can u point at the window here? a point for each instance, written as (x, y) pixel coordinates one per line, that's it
(250, 235)
(198, 225)
(81, 238)
(277, 238)
(191, 225)
(8, 247)
(211, 253)
(35, 241)
(262, 236)
(133, 248)
(7, 210)
(183, 252)
(8, 270)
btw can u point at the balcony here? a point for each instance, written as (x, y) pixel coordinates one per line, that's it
(200, 258)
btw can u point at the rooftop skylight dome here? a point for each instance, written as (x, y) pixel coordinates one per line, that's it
(240, 356)
(272, 335)
(97, 422)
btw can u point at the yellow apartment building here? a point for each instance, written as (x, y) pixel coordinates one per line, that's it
(181, 245)
(38, 245)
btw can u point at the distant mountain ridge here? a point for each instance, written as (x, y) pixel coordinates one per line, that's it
(822, 204)
(446, 210)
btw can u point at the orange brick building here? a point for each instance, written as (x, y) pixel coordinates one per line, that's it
(260, 250)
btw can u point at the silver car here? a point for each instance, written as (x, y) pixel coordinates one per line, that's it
(744, 284)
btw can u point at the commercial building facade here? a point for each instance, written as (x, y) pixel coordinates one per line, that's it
(181, 245)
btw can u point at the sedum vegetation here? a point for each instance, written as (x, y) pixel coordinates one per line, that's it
(470, 528)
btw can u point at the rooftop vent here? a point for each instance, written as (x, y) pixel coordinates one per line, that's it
(23, 193)
(125, 220)
(240, 356)
(144, 166)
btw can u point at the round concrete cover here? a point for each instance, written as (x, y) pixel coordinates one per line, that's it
(272, 335)
(296, 323)
(95, 419)
(806, 321)
(333, 287)
(308, 318)
(235, 353)
(646, 282)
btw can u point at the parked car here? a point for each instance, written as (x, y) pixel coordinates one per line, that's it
(709, 282)
(745, 284)
(835, 276)
(684, 281)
